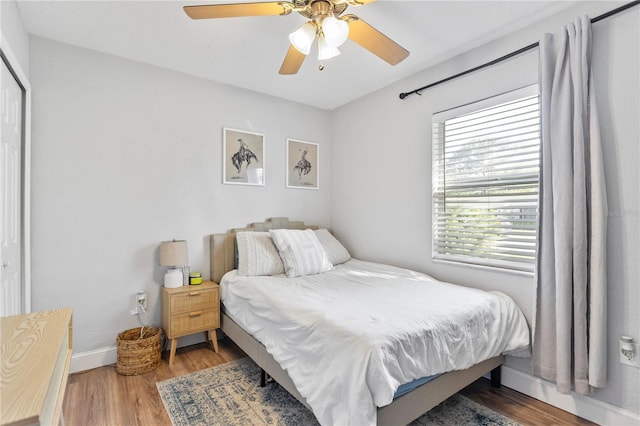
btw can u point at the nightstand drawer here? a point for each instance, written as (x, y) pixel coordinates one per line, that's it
(194, 300)
(194, 321)
(191, 309)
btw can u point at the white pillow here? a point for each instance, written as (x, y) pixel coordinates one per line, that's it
(257, 255)
(336, 252)
(301, 252)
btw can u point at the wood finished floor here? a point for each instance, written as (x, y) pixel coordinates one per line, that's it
(103, 397)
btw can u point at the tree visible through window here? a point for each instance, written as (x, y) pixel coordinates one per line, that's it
(486, 159)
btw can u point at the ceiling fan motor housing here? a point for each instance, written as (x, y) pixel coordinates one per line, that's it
(320, 9)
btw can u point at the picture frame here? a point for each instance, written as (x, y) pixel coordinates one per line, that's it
(243, 154)
(303, 164)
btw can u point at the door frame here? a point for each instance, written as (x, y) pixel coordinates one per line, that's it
(9, 58)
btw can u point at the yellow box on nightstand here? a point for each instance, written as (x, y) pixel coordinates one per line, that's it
(195, 278)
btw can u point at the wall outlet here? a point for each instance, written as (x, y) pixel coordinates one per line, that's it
(635, 358)
(140, 304)
(141, 299)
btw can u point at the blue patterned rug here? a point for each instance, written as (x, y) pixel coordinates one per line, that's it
(230, 395)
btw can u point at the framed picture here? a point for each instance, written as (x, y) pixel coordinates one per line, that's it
(303, 164)
(242, 157)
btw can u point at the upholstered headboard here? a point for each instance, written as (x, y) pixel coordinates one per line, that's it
(222, 251)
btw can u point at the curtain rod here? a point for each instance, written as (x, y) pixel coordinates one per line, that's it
(512, 54)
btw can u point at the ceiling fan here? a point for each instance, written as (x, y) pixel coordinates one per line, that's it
(326, 23)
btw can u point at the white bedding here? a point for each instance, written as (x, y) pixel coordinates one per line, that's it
(349, 337)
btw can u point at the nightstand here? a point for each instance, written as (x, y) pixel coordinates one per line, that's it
(191, 309)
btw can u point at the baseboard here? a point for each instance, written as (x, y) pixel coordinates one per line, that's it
(93, 359)
(583, 406)
(88, 360)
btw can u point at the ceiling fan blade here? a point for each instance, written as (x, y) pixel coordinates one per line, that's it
(292, 62)
(374, 41)
(355, 2)
(239, 9)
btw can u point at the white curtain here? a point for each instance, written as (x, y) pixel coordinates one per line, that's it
(570, 344)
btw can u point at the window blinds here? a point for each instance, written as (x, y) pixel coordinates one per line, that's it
(485, 182)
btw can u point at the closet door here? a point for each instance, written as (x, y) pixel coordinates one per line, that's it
(11, 128)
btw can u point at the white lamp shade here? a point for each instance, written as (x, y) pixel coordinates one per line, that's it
(174, 253)
(303, 37)
(325, 51)
(335, 31)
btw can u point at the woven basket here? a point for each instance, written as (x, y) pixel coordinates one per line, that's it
(138, 354)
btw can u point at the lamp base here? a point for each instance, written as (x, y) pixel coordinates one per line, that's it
(173, 278)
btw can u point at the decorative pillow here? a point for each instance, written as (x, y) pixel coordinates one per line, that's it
(301, 252)
(336, 252)
(257, 255)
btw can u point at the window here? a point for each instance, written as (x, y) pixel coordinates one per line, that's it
(486, 159)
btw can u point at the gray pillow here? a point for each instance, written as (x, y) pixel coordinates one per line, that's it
(336, 252)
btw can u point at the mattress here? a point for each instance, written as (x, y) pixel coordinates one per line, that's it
(408, 387)
(350, 337)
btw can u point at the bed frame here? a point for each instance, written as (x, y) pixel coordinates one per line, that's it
(402, 410)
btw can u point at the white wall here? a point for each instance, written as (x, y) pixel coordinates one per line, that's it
(381, 173)
(13, 35)
(126, 155)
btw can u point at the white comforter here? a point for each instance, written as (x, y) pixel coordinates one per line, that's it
(349, 337)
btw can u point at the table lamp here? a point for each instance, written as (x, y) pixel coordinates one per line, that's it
(174, 255)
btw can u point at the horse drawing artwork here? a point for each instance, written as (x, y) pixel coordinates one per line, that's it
(244, 154)
(303, 166)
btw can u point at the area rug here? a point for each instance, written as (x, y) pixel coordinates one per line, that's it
(230, 395)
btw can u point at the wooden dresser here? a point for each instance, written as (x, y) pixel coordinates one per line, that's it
(36, 355)
(190, 309)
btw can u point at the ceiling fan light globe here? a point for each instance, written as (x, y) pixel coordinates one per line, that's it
(303, 37)
(325, 51)
(335, 31)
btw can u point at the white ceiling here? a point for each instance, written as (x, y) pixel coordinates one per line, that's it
(248, 52)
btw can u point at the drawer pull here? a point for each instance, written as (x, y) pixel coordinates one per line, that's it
(195, 293)
(195, 314)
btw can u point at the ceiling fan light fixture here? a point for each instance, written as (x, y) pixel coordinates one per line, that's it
(335, 31)
(325, 51)
(303, 37)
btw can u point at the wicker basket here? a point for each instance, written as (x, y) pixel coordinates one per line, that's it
(138, 354)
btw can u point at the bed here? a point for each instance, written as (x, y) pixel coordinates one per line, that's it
(360, 384)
